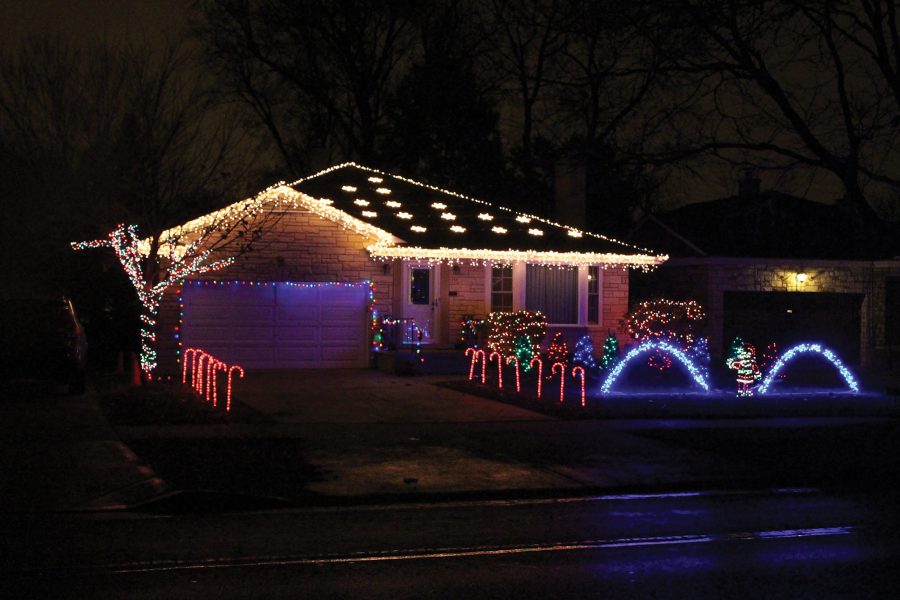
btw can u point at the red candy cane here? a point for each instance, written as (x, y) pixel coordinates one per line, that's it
(499, 367)
(562, 378)
(580, 371)
(230, 371)
(513, 359)
(540, 372)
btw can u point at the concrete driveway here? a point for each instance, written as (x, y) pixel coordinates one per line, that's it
(367, 396)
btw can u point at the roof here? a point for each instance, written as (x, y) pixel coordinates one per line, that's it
(768, 225)
(410, 219)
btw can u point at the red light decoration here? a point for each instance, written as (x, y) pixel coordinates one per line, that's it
(540, 378)
(190, 352)
(204, 371)
(499, 368)
(562, 378)
(580, 371)
(230, 372)
(514, 360)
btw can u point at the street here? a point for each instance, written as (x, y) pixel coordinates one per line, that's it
(737, 543)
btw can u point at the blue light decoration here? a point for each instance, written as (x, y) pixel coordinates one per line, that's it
(809, 348)
(651, 346)
(584, 352)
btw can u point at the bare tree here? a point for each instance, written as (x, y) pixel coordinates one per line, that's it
(312, 72)
(790, 85)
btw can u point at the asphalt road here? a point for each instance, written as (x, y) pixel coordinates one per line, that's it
(702, 543)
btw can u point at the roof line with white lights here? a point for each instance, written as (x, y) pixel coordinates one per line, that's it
(386, 246)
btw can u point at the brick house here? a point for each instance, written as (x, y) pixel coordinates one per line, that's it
(352, 245)
(773, 267)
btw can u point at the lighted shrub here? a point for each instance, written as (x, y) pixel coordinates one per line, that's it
(504, 328)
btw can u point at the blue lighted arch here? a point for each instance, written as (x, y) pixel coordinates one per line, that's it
(650, 346)
(803, 349)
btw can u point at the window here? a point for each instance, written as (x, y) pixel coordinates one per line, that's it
(419, 284)
(554, 292)
(501, 289)
(593, 293)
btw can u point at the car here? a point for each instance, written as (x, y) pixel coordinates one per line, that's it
(42, 339)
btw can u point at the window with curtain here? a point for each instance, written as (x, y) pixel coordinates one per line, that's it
(554, 292)
(501, 289)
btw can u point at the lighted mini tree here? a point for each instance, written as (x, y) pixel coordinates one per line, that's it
(584, 352)
(558, 351)
(524, 351)
(699, 354)
(126, 244)
(610, 352)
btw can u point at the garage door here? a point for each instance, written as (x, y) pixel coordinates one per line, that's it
(788, 318)
(278, 326)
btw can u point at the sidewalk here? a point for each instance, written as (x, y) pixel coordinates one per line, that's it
(59, 454)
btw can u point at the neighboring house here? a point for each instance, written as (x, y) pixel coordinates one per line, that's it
(772, 267)
(352, 243)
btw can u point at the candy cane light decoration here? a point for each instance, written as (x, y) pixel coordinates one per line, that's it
(474, 354)
(184, 364)
(204, 358)
(562, 378)
(576, 371)
(499, 368)
(514, 360)
(230, 371)
(540, 372)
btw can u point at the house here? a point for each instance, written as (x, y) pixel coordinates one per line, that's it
(771, 267)
(353, 245)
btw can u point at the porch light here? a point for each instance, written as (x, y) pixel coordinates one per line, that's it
(801, 278)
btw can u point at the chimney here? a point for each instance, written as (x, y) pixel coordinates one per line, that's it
(569, 190)
(748, 186)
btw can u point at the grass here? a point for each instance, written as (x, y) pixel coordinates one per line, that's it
(170, 404)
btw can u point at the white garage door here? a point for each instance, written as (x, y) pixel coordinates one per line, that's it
(278, 326)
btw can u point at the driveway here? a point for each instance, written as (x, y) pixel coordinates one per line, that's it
(367, 396)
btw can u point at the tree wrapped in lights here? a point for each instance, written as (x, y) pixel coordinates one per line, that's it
(770, 358)
(126, 243)
(584, 352)
(558, 351)
(610, 352)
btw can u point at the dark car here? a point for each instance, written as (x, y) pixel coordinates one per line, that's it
(42, 339)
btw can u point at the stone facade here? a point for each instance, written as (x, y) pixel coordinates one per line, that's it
(707, 279)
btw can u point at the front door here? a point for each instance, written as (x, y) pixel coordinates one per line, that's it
(420, 304)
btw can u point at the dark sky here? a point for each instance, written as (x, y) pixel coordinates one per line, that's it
(151, 20)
